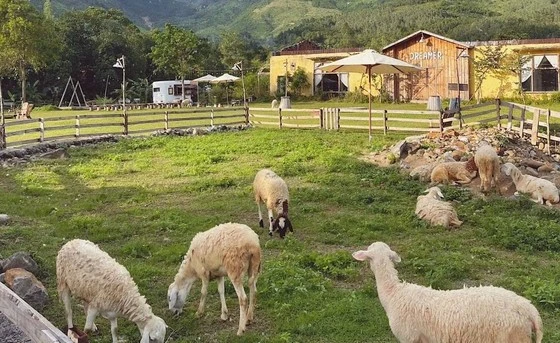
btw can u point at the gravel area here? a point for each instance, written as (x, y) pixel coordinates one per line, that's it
(9, 333)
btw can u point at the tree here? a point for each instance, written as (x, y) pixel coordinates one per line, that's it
(47, 10)
(484, 64)
(176, 51)
(299, 81)
(31, 40)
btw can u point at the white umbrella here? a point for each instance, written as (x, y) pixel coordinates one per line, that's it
(369, 62)
(225, 78)
(205, 78)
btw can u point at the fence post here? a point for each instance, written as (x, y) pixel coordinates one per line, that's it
(510, 116)
(3, 136)
(535, 127)
(212, 117)
(77, 135)
(460, 119)
(321, 118)
(125, 124)
(498, 108)
(441, 121)
(548, 131)
(247, 115)
(522, 121)
(166, 120)
(280, 117)
(338, 119)
(384, 122)
(41, 130)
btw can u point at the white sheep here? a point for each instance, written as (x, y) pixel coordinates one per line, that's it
(488, 164)
(271, 190)
(105, 287)
(432, 209)
(274, 103)
(231, 250)
(484, 314)
(451, 172)
(540, 190)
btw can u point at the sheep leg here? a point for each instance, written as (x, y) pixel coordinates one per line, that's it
(261, 222)
(271, 220)
(221, 290)
(237, 282)
(94, 327)
(114, 329)
(67, 300)
(252, 292)
(203, 293)
(90, 318)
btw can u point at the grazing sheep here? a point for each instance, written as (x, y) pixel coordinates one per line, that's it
(484, 314)
(274, 103)
(488, 164)
(430, 208)
(451, 172)
(271, 190)
(105, 287)
(540, 190)
(231, 250)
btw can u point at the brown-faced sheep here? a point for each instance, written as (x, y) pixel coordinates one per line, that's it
(451, 172)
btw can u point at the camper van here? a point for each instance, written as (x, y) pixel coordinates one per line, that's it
(169, 92)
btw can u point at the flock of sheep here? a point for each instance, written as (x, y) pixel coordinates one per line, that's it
(416, 314)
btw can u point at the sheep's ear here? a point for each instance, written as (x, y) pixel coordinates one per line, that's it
(394, 257)
(360, 255)
(440, 194)
(427, 190)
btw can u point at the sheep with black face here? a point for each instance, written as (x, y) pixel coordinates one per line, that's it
(271, 190)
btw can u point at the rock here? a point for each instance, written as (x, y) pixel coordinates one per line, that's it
(400, 150)
(432, 135)
(27, 287)
(541, 146)
(4, 219)
(464, 139)
(55, 154)
(531, 171)
(546, 168)
(532, 163)
(20, 260)
(423, 172)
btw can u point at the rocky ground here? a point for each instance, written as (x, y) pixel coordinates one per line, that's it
(9, 333)
(417, 155)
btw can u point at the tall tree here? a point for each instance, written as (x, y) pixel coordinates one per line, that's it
(176, 51)
(47, 10)
(30, 38)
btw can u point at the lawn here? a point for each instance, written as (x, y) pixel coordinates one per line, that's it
(142, 200)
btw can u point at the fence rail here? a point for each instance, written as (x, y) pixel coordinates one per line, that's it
(528, 121)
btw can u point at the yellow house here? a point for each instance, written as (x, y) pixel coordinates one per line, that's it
(309, 57)
(450, 68)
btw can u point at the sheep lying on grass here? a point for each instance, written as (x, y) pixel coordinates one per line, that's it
(432, 209)
(271, 190)
(106, 287)
(451, 172)
(540, 190)
(416, 314)
(488, 164)
(231, 250)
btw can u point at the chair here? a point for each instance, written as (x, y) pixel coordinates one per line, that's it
(25, 112)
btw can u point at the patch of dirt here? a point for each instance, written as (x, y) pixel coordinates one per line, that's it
(417, 155)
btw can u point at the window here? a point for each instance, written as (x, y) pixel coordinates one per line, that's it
(170, 90)
(540, 74)
(156, 89)
(329, 82)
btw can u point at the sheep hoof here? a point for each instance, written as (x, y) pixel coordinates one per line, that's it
(240, 332)
(270, 233)
(261, 223)
(224, 316)
(199, 314)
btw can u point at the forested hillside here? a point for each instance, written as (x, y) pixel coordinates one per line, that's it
(341, 23)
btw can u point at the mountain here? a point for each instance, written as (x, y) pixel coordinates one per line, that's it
(338, 23)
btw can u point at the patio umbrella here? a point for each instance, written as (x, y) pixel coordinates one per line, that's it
(205, 78)
(225, 78)
(370, 62)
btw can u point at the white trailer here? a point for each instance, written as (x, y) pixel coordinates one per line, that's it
(169, 92)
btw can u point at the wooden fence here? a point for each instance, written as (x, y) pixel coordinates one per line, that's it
(30, 322)
(29, 131)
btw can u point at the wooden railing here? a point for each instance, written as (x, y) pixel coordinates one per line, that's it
(30, 131)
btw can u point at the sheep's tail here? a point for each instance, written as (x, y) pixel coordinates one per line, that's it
(537, 326)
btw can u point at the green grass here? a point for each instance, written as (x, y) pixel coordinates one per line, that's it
(142, 200)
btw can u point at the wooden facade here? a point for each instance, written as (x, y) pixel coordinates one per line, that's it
(445, 63)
